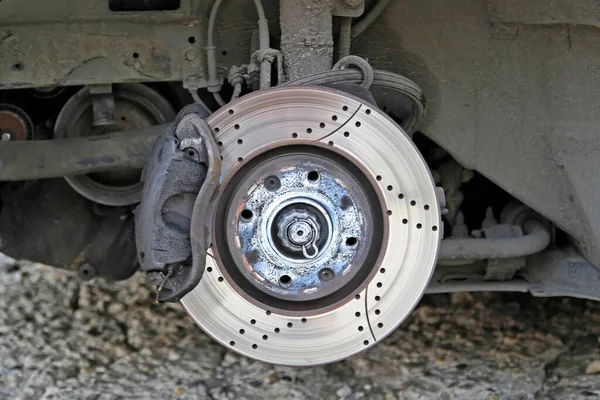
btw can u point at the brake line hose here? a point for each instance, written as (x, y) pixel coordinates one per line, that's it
(214, 83)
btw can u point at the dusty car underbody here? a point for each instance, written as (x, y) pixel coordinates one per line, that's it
(299, 172)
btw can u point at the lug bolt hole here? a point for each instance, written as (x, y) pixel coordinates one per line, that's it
(247, 214)
(285, 280)
(351, 241)
(313, 176)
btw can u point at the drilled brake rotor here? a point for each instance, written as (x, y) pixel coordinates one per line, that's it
(326, 228)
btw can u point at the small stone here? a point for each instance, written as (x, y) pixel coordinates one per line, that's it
(510, 340)
(229, 359)
(173, 355)
(593, 367)
(344, 391)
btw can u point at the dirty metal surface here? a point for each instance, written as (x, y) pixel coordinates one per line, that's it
(58, 43)
(508, 95)
(135, 107)
(303, 222)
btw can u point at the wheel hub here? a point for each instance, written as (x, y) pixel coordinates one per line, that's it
(306, 237)
(325, 232)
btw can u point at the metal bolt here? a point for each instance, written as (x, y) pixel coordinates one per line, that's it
(300, 232)
(6, 136)
(86, 272)
(190, 55)
(325, 274)
(272, 183)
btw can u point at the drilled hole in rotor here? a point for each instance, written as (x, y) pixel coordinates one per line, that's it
(276, 330)
(242, 331)
(357, 124)
(334, 118)
(378, 177)
(265, 337)
(191, 40)
(346, 134)
(322, 125)
(303, 320)
(413, 203)
(366, 342)
(209, 269)
(377, 298)
(217, 130)
(360, 328)
(313, 176)
(377, 312)
(240, 141)
(231, 112)
(367, 111)
(294, 135)
(220, 143)
(379, 284)
(382, 270)
(285, 280)
(289, 324)
(405, 221)
(247, 214)
(389, 212)
(351, 241)
(419, 226)
(237, 126)
(357, 297)
(330, 143)
(253, 321)
(357, 314)
(254, 346)
(268, 312)
(426, 207)
(434, 228)
(232, 343)
(400, 196)
(308, 130)
(390, 188)
(220, 279)
(345, 108)
(240, 159)
(380, 325)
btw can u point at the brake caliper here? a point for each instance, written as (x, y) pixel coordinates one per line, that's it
(172, 225)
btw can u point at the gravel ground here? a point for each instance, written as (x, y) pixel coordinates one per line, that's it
(63, 339)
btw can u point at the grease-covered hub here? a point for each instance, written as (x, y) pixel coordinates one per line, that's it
(301, 225)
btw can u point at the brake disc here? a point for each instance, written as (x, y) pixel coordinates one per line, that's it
(326, 228)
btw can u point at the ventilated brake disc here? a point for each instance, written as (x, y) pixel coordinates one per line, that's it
(325, 230)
